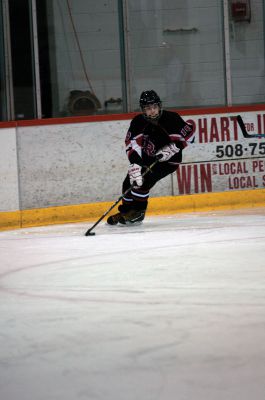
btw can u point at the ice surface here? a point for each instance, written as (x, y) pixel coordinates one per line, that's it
(173, 309)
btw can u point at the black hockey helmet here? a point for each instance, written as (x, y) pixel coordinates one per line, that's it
(149, 97)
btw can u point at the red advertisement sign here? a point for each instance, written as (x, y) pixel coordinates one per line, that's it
(221, 158)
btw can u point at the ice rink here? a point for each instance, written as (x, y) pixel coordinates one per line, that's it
(173, 309)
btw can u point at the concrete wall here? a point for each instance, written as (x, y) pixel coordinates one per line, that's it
(175, 47)
(66, 164)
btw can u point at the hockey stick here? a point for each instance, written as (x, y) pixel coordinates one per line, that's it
(244, 131)
(89, 231)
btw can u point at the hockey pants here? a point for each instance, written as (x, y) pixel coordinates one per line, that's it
(137, 198)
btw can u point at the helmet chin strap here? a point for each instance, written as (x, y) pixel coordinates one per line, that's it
(153, 118)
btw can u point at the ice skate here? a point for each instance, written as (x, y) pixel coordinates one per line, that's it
(115, 219)
(131, 217)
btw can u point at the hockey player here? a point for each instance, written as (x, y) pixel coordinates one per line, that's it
(154, 134)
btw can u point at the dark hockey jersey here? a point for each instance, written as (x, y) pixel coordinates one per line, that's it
(144, 138)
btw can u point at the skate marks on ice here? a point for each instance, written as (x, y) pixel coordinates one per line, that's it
(171, 309)
(197, 221)
(51, 253)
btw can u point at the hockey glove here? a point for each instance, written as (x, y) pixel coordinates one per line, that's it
(135, 174)
(167, 152)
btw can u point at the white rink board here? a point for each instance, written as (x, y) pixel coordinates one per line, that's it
(9, 192)
(78, 163)
(74, 164)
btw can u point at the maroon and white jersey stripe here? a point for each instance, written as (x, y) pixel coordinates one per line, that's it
(144, 138)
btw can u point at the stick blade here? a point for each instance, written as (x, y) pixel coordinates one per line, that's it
(88, 233)
(242, 126)
(244, 131)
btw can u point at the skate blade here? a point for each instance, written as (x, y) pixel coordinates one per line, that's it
(129, 223)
